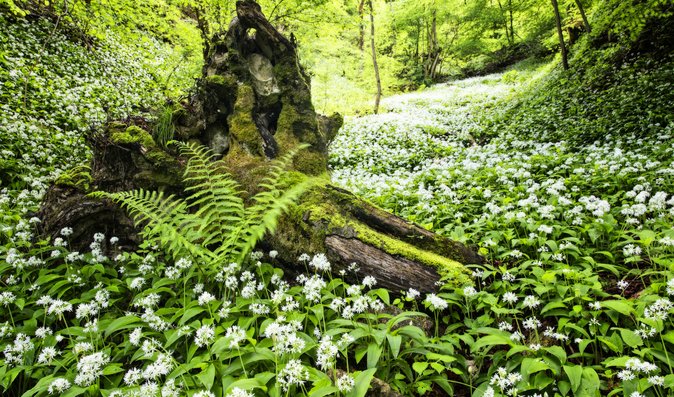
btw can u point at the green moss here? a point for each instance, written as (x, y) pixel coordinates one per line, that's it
(241, 124)
(78, 178)
(310, 162)
(150, 150)
(294, 126)
(324, 209)
(132, 134)
(218, 79)
(447, 268)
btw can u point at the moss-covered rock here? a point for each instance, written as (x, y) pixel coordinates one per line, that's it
(156, 166)
(242, 127)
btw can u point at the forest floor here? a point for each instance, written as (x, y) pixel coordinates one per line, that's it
(566, 191)
(577, 231)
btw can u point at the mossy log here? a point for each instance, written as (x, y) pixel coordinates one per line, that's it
(253, 104)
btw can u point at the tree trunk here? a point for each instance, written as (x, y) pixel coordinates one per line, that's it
(512, 23)
(361, 26)
(374, 59)
(505, 22)
(252, 104)
(560, 34)
(586, 23)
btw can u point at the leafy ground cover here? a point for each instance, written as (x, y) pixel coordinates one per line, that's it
(573, 210)
(571, 205)
(55, 89)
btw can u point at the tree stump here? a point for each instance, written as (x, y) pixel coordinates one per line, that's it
(253, 104)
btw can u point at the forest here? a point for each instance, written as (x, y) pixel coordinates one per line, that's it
(220, 198)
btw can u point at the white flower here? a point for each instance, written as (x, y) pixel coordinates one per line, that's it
(469, 291)
(137, 283)
(435, 302)
(47, 355)
(326, 353)
(59, 307)
(43, 332)
(345, 383)
(273, 254)
(545, 229)
(236, 335)
(504, 326)
(259, 309)
(369, 281)
(656, 380)
(312, 288)
(320, 263)
(58, 385)
(531, 323)
(90, 367)
(162, 366)
(531, 302)
(204, 335)
(510, 297)
(238, 392)
(293, 374)
(631, 250)
(205, 298)
(132, 376)
(204, 393)
(412, 294)
(6, 298)
(658, 310)
(507, 276)
(135, 335)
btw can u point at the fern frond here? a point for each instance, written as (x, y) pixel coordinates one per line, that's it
(213, 191)
(164, 220)
(214, 214)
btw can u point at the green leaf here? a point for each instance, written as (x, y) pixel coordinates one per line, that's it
(362, 383)
(558, 352)
(590, 385)
(121, 323)
(553, 305)
(420, 366)
(394, 342)
(631, 338)
(532, 365)
(621, 306)
(207, 376)
(323, 391)
(245, 384)
(373, 353)
(575, 375)
(616, 362)
(490, 341)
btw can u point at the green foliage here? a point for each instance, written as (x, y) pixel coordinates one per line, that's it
(574, 298)
(164, 128)
(212, 225)
(12, 7)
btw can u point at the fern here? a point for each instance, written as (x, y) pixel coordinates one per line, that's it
(212, 225)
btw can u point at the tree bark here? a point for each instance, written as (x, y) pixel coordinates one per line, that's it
(560, 34)
(361, 25)
(252, 104)
(374, 59)
(586, 23)
(512, 22)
